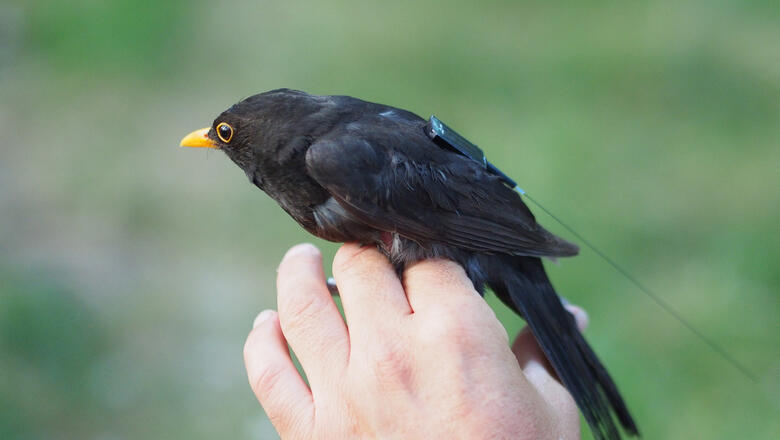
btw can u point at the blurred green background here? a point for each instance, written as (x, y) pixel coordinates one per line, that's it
(131, 269)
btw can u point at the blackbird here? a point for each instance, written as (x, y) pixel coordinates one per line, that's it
(348, 170)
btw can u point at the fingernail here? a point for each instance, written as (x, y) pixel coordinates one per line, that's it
(580, 315)
(262, 317)
(301, 249)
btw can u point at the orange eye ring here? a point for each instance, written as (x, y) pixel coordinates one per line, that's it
(224, 132)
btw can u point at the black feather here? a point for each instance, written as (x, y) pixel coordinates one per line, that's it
(528, 291)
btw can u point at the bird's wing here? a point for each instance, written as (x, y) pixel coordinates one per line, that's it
(401, 182)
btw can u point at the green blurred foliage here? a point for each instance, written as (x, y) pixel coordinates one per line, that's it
(130, 270)
(50, 341)
(101, 37)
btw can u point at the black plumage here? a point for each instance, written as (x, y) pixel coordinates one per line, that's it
(350, 170)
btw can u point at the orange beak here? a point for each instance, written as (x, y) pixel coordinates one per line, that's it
(198, 139)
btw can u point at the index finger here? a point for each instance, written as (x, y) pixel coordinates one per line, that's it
(309, 318)
(370, 290)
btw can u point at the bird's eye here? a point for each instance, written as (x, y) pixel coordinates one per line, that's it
(225, 132)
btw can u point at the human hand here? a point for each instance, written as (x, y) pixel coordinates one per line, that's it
(418, 358)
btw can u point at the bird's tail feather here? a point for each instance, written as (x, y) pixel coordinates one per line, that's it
(528, 291)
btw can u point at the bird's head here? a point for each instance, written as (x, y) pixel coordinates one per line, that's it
(255, 128)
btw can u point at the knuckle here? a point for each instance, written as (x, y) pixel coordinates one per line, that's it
(388, 366)
(267, 381)
(387, 355)
(300, 310)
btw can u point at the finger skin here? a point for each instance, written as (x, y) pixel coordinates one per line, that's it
(272, 375)
(436, 281)
(309, 318)
(370, 291)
